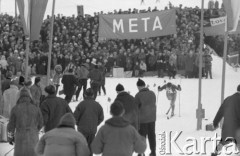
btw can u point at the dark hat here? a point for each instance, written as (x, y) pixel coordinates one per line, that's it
(50, 89)
(140, 83)
(116, 108)
(169, 84)
(28, 83)
(119, 88)
(70, 70)
(238, 88)
(88, 92)
(67, 120)
(21, 80)
(37, 79)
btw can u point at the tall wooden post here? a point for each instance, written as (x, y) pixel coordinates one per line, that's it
(50, 45)
(200, 111)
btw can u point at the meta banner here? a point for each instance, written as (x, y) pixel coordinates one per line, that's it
(137, 26)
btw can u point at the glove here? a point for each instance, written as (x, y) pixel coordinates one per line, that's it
(10, 138)
(179, 87)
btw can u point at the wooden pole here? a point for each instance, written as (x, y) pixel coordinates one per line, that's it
(199, 110)
(50, 44)
(15, 8)
(27, 56)
(224, 65)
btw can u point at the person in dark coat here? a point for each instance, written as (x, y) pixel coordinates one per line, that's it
(160, 64)
(53, 108)
(146, 102)
(103, 70)
(189, 64)
(130, 107)
(95, 80)
(7, 81)
(69, 82)
(88, 115)
(230, 111)
(117, 136)
(24, 125)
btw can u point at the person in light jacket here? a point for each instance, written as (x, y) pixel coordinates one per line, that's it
(117, 137)
(63, 140)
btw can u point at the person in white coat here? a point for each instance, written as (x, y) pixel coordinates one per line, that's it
(10, 97)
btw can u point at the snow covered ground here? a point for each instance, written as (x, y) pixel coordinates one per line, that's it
(188, 101)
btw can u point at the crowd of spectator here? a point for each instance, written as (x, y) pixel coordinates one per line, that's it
(76, 40)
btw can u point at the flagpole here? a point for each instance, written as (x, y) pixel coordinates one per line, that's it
(50, 44)
(199, 112)
(224, 64)
(27, 57)
(15, 8)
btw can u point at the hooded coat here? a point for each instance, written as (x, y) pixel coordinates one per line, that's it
(63, 141)
(118, 138)
(25, 123)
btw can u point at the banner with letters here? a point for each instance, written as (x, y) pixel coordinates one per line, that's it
(217, 26)
(137, 26)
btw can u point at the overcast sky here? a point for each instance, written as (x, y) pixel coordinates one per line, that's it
(69, 7)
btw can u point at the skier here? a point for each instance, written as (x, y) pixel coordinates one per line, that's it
(171, 92)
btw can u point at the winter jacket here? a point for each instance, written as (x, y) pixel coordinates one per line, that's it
(69, 82)
(88, 115)
(25, 121)
(82, 72)
(10, 97)
(53, 108)
(118, 138)
(230, 111)
(146, 101)
(36, 93)
(130, 107)
(95, 76)
(62, 142)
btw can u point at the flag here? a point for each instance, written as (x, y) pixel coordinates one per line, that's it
(232, 8)
(32, 13)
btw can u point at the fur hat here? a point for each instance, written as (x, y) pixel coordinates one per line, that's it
(24, 92)
(50, 89)
(14, 82)
(67, 120)
(119, 88)
(140, 83)
(116, 108)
